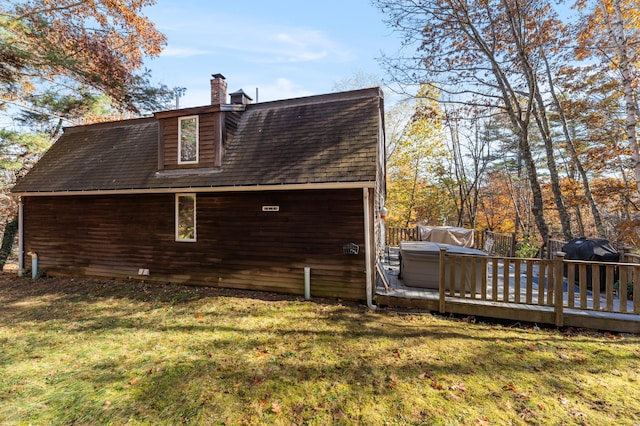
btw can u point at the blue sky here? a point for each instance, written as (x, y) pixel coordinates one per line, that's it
(285, 48)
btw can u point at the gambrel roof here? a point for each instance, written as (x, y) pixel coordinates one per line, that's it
(333, 138)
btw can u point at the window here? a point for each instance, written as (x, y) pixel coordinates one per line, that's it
(185, 217)
(188, 140)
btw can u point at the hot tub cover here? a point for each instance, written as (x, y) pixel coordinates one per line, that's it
(420, 264)
(461, 237)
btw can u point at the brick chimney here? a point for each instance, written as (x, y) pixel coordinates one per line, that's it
(218, 90)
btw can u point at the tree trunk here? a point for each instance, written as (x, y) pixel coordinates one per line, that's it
(412, 202)
(10, 230)
(537, 207)
(543, 125)
(574, 154)
(615, 26)
(538, 109)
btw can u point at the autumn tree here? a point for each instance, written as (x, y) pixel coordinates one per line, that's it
(480, 53)
(416, 155)
(588, 103)
(61, 60)
(93, 43)
(576, 163)
(610, 31)
(417, 165)
(470, 155)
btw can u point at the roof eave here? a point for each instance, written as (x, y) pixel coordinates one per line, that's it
(201, 189)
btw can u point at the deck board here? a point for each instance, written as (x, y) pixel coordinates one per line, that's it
(530, 309)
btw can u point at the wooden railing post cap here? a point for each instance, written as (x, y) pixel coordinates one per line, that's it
(560, 254)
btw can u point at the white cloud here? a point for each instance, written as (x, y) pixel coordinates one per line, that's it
(183, 52)
(288, 45)
(282, 88)
(257, 43)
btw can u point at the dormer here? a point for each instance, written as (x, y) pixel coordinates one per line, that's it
(195, 138)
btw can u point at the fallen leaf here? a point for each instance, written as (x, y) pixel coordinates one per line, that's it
(426, 375)
(133, 382)
(275, 408)
(483, 421)
(460, 387)
(616, 373)
(563, 400)
(511, 387)
(436, 385)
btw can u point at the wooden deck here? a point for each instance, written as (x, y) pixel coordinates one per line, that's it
(536, 292)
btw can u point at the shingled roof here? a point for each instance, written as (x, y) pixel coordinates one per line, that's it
(318, 139)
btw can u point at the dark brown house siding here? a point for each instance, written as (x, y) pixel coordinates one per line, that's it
(238, 245)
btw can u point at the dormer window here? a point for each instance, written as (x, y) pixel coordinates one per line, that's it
(188, 140)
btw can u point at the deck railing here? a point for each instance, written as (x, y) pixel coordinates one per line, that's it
(394, 236)
(628, 257)
(551, 248)
(524, 284)
(495, 243)
(488, 241)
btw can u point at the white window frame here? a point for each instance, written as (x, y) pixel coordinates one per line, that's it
(180, 120)
(177, 218)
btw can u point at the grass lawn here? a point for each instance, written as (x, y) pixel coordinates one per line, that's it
(109, 352)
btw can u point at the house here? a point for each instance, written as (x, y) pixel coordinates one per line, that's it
(237, 195)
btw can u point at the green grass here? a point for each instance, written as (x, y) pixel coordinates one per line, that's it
(108, 352)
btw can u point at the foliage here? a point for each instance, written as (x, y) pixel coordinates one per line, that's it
(18, 151)
(98, 44)
(416, 163)
(563, 88)
(527, 247)
(109, 352)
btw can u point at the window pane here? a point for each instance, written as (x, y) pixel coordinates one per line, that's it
(186, 217)
(189, 139)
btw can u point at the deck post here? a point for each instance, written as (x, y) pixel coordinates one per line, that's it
(558, 287)
(623, 254)
(441, 280)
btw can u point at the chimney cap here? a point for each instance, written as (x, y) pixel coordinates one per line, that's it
(218, 76)
(241, 92)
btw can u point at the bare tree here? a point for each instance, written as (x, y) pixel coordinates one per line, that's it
(465, 49)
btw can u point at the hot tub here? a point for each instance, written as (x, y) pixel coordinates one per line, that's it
(420, 264)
